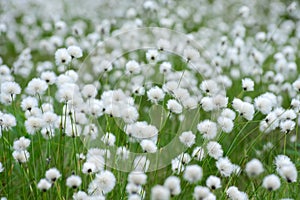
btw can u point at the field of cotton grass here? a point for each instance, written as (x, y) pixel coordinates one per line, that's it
(156, 99)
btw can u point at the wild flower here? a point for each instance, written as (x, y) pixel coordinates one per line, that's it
(160, 192)
(49, 77)
(193, 173)
(225, 166)
(155, 94)
(213, 182)
(52, 175)
(10, 88)
(79, 99)
(247, 84)
(73, 181)
(271, 182)
(174, 106)
(187, 138)
(21, 144)
(254, 167)
(62, 56)
(73, 51)
(21, 156)
(214, 149)
(208, 129)
(103, 183)
(201, 192)
(138, 178)
(173, 184)
(44, 185)
(132, 67)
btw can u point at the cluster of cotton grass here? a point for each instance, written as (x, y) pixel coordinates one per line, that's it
(93, 106)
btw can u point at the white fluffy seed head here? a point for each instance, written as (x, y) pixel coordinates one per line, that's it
(52, 175)
(106, 181)
(226, 124)
(89, 168)
(193, 173)
(289, 173)
(173, 184)
(148, 146)
(21, 156)
(73, 181)
(159, 192)
(21, 144)
(74, 51)
(138, 178)
(187, 138)
(228, 113)
(225, 166)
(62, 57)
(174, 106)
(28, 103)
(89, 91)
(262, 104)
(271, 182)
(214, 149)
(155, 94)
(10, 88)
(213, 182)
(201, 192)
(44, 185)
(209, 87)
(36, 86)
(247, 84)
(132, 67)
(254, 167)
(208, 129)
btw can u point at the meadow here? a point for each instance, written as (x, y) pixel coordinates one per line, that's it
(149, 99)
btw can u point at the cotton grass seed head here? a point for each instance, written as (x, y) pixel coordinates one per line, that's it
(73, 181)
(159, 192)
(62, 56)
(214, 149)
(254, 167)
(44, 185)
(138, 178)
(201, 192)
(187, 138)
(52, 175)
(10, 88)
(271, 182)
(173, 184)
(225, 166)
(247, 84)
(213, 182)
(193, 173)
(73, 51)
(208, 129)
(174, 107)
